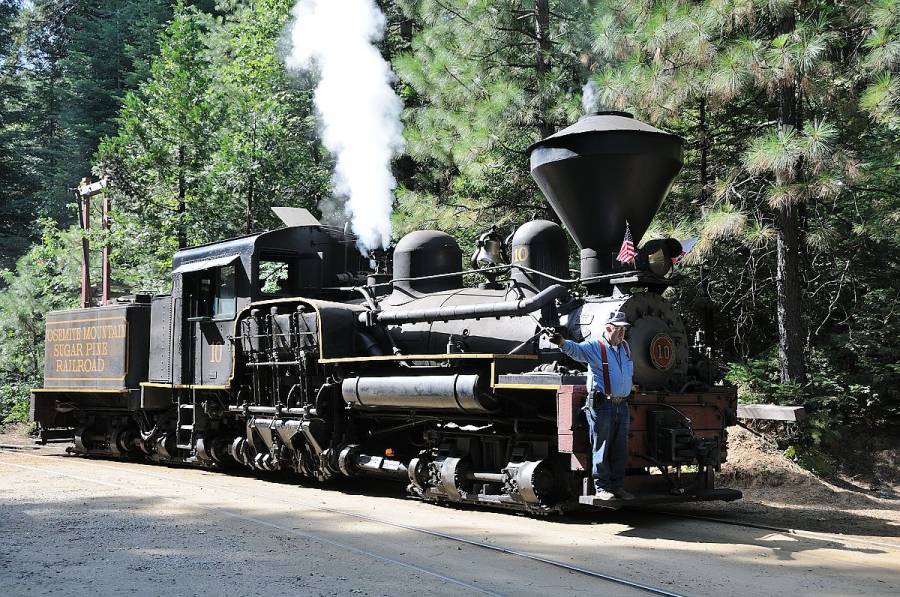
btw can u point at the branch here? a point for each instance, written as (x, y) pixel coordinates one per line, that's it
(834, 301)
(450, 10)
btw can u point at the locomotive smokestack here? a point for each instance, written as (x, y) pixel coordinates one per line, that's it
(601, 171)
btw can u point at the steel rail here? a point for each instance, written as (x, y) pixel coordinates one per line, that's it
(446, 536)
(834, 537)
(801, 533)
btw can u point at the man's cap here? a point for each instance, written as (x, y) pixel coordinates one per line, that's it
(617, 318)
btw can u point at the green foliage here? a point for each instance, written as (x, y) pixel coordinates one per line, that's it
(217, 135)
(481, 82)
(42, 282)
(64, 67)
(713, 73)
(881, 98)
(18, 413)
(758, 381)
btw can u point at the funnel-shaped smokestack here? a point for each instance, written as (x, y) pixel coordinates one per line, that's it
(601, 171)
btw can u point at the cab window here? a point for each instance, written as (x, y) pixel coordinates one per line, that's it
(212, 294)
(224, 303)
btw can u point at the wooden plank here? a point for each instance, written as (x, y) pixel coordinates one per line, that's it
(771, 412)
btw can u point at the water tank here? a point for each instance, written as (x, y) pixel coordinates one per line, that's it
(427, 253)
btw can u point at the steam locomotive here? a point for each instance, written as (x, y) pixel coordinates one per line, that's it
(286, 351)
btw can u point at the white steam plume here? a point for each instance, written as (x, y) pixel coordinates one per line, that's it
(359, 113)
(589, 97)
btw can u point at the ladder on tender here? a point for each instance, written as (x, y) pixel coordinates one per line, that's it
(185, 431)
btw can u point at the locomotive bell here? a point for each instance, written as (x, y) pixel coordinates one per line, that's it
(602, 171)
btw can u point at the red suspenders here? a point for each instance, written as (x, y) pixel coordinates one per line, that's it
(606, 382)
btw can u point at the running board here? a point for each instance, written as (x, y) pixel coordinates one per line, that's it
(651, 499)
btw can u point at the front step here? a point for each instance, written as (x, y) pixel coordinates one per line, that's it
(184, 434)
(650, 499)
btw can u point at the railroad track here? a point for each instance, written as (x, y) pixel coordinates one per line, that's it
(835, 537)
(800, 533)
(506, 551)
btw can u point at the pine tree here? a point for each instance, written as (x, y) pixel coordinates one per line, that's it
(881, 98)
(163, 143)
(751, 83)
(66, 65)
(218, 135)
(267, 150)
(483, 80)
(17, 211)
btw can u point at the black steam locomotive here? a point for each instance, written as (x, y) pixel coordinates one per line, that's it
(284, 351)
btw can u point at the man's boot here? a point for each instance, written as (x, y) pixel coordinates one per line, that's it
(620, 493)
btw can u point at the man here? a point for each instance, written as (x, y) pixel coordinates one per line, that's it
(610, 372)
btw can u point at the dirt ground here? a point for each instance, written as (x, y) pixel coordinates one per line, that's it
(72, 526)
(779, 492)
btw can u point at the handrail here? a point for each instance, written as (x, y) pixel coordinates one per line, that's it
(457, 312)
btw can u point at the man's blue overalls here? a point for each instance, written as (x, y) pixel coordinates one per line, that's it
(610, 372)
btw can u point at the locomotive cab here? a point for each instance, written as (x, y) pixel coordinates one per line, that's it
(213, 283)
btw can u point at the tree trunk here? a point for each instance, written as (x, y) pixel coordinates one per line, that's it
(791, 333)
(791, 326)
(251, 190)
(703, 137)
(181, 208)
(541, 61)
(251, 182)
(407, 31)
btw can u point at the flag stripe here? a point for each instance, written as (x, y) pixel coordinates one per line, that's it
(626, 252)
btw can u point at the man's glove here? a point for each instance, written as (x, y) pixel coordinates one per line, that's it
(554, 337)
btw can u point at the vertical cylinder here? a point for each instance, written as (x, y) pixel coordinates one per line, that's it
(539, 245)
(84, 202)
(106, 270)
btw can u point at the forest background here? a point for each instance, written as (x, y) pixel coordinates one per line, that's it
(789, 110)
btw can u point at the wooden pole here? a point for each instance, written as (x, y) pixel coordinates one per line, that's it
(83, 194)
(105, 257)
(84, 206)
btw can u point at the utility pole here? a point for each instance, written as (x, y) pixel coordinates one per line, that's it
(83, 193)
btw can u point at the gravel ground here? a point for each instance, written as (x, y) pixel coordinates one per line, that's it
(73, 526)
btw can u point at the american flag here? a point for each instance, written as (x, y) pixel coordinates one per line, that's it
(626, 253)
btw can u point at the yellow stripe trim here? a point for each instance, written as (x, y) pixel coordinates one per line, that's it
(525, 386)
(434, 357)
(81, 390)
(92, 319)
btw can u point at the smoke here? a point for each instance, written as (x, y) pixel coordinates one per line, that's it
(359, 113)
(589, 97)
